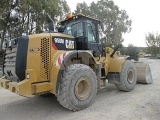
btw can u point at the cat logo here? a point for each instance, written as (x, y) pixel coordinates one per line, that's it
(69, 44)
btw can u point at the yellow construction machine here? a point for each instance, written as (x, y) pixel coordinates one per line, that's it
(69, 63)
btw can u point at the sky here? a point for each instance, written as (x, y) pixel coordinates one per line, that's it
(145, 16)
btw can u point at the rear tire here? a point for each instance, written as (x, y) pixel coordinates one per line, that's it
(78, 87)
(128, 76)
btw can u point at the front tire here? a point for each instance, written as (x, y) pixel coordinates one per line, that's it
(78, 87)
(128, 76)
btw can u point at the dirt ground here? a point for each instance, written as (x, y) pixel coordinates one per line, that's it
(143, 103)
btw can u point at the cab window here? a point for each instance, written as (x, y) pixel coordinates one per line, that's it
(68, 30)
(77, 30)
(90, 33)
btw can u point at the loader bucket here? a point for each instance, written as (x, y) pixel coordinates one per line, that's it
(143, 73)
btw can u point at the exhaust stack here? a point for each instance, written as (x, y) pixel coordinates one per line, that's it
(50, 23)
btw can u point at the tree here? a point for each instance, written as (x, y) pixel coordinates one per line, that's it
(153, 43)
(7, 19)
(19, 17)
(116, 22)
(132, 52)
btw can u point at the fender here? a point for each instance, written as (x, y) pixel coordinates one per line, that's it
(114, 70)
(115, 64)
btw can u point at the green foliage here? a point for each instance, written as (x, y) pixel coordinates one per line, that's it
(19, 17)
(132, 52)
(153, 43)
(122, 50)
(115, 21)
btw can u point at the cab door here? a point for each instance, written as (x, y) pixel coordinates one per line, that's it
(93, 39)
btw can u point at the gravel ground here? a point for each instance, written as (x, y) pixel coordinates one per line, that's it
(143, 103)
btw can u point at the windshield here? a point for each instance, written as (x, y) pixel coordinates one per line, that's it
(74, 29)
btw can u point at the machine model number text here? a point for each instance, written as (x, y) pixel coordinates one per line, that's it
(68, 43)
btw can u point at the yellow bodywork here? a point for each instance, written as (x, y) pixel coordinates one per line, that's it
(111, 64)
(28, 86)
(42, 71)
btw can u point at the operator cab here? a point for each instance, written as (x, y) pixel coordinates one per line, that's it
(85, 31)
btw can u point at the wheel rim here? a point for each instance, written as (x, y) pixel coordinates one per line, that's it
(83, 88)
(130, 77)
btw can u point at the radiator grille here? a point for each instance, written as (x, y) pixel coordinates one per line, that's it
(44, 59)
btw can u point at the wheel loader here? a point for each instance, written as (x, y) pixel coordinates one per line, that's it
(69, 63)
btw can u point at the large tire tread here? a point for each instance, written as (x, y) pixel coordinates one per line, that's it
(62, 97)
(122, 85)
